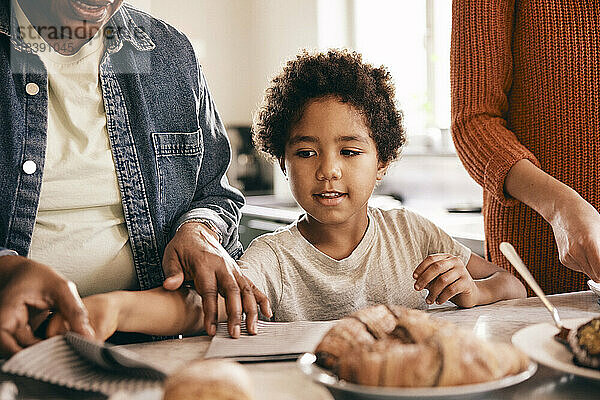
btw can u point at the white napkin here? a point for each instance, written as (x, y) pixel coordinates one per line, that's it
(80, 364)
(274, 341)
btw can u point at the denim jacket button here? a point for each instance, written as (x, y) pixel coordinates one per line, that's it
(32, 89)
(29, 167)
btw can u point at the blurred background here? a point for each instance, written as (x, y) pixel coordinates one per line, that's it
(241, 44)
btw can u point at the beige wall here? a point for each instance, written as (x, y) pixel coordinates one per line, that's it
(240, 43)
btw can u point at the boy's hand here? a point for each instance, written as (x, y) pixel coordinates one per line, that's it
(446, 277)
(103, 313)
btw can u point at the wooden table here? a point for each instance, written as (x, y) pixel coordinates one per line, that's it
(282, 380)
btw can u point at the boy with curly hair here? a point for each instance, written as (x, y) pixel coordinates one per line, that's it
(331, 122)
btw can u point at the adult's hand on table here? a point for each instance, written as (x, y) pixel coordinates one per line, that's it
(195, 253)
(576, 227)
(29, 289)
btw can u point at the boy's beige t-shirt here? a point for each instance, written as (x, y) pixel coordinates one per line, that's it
(302, 283)
(80, 228)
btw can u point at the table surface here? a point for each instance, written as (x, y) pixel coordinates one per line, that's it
(282, 380)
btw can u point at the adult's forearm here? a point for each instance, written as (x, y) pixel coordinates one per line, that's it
(575, 222)
(539, 190)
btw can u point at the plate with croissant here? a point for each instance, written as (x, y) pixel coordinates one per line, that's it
(579, 354)
(391, 352)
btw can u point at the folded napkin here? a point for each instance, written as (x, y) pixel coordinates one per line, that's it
(77, 363)
(274, 341)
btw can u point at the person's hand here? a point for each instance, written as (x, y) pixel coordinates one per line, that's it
(103, 310)
(446, 277)
(29, 289)
(196, 253)
(576, 227)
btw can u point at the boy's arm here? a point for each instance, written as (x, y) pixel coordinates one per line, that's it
(154, 312)
(159, 312)
(493, 282)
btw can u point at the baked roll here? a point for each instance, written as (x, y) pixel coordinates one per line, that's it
(395, 346)
(209, 380)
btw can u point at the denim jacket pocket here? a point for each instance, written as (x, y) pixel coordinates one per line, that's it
(178, 160)
(167, 144)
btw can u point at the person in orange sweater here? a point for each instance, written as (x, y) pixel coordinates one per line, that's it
(525, 79)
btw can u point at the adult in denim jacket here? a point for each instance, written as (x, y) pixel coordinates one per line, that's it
(170, 152)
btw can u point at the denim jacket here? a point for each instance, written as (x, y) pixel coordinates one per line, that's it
(168, 143)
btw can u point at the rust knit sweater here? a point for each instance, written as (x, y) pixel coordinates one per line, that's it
(525, 79)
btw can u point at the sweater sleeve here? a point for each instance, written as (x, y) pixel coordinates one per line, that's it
(480, 78)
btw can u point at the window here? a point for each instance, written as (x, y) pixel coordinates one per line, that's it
(412, 39)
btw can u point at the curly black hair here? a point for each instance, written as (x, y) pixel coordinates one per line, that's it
(338, 73)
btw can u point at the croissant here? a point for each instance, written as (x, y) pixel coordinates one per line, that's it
(395, 346)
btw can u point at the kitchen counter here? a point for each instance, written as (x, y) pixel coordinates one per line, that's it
(282, 380)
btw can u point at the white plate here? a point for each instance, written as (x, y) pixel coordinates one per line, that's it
(306, 363)
(594, 287)
(538, 342)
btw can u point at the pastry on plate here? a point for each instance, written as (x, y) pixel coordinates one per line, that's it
(399, 347)
(584, 342)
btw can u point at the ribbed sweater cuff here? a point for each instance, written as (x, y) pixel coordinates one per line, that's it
(497, 168)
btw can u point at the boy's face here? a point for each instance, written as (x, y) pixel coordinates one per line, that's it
(331, 162)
